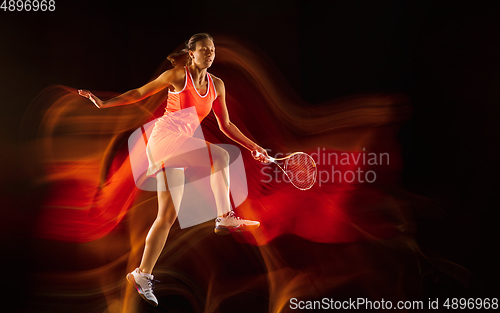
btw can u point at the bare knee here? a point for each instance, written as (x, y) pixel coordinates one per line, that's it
(220, 158)
(165, 221)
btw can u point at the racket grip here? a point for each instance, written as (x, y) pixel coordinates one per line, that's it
(257, 154)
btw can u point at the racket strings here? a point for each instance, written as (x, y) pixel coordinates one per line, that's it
(301, 170)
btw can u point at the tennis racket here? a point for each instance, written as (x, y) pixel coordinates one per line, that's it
(299, 167)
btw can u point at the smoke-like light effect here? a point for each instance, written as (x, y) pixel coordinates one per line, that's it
(335, 239)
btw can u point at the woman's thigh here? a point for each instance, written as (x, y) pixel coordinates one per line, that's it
(195, 152)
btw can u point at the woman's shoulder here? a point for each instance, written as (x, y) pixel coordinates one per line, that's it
(177, 71)
(217, 80)
(175, 75)
(218, 85)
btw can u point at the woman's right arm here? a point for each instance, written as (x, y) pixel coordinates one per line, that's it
(164, 80)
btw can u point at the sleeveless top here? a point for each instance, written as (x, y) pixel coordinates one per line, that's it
(189, 97)
(184, 112)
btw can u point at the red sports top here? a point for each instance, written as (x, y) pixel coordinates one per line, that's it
(189, 96)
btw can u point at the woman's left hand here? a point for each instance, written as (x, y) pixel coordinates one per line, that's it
(262, 156)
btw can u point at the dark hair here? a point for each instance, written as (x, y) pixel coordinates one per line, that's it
(182, 57)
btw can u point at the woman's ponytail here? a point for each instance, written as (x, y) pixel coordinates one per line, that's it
(179, 58)
(182, 57)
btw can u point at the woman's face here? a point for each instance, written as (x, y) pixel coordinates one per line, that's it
(204, 54)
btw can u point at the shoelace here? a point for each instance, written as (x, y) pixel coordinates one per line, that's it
(233, 215)
(151, 283)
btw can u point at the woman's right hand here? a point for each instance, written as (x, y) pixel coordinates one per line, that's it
(87, 94)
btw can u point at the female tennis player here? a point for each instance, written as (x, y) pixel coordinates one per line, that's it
(189, 85)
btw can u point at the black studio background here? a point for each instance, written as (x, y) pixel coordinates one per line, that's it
(444, 54)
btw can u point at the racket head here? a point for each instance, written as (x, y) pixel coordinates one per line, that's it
(301, 170)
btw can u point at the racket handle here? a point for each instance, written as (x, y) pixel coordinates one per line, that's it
(257, 154)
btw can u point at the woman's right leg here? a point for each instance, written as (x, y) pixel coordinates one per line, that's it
(169, 197)
(172, 179)
(170, 186)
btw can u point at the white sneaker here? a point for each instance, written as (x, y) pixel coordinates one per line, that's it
(232, 223)
(144, 283)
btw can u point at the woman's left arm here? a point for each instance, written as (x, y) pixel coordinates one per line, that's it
(225, 124)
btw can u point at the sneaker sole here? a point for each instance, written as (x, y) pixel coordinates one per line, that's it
(131, 280)
(222, 230)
